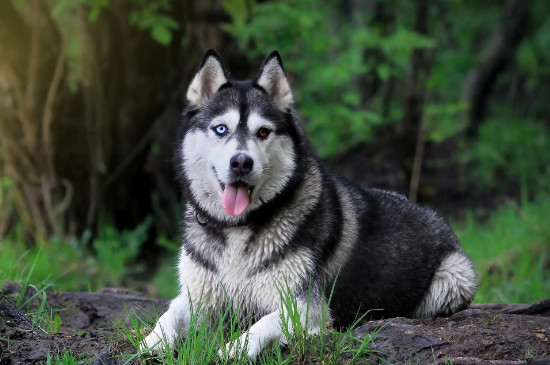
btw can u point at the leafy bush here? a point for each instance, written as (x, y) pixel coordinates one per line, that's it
(330, 57)
(512, 150)
(116, 249)
(75, 263)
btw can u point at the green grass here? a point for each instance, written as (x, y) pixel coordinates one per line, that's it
(511, 252)
(44, 264)
(85, 264)
(66, 358)
(205, 339)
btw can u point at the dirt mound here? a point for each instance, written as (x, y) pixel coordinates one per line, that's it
(87, 328)
(482, 334)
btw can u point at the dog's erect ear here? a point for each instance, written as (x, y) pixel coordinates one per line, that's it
(208, 79)
(272, 77)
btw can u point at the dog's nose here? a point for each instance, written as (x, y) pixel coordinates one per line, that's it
(241, 163)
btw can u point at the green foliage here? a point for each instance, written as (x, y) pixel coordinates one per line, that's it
(154, 16)
(67, 358)
(61, 7)
(325, 53)
(533, 56)
(334, 56)
(39, 264)
(116, 249)
(511, 252)
(165, 283)
(511, 150)
(442, 122)
(43, 319)
(64, 263)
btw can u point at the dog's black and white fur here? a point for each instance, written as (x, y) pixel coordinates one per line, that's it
(263, 213)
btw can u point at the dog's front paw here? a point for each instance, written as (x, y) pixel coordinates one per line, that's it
(152, 343)
(247, 344)
(157, 341)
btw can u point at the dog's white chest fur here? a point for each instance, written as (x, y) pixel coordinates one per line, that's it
(247, 272)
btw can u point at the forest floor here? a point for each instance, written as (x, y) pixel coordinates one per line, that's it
(89, 328)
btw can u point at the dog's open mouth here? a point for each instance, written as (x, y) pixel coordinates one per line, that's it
(236, 197)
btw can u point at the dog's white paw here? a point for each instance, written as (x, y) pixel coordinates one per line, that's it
(247, 344)
(151, 343)
(157, 342)
(262, 334)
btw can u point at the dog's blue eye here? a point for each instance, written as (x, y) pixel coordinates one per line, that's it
(220, 129)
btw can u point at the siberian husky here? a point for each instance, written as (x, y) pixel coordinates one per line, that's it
(262, 212)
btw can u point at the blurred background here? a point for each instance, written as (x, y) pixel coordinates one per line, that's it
(446, 101)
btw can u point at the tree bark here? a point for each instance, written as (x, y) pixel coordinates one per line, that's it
(498, 55)
(414, 102)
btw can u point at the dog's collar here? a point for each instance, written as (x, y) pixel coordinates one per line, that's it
(204, 221)
(200, 219)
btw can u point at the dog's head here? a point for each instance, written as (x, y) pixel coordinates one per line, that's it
(238, 149)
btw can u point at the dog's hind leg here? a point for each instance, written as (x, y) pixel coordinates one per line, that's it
(452, 288)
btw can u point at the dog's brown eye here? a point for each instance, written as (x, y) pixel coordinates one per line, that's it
(263, 133)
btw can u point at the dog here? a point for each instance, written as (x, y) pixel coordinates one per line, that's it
(262, 212)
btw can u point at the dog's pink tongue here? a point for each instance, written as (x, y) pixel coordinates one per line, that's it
(235, 198)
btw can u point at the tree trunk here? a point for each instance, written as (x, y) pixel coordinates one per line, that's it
(498, 55)
(414, 102)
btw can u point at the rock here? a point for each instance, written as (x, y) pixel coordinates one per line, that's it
(481, 334)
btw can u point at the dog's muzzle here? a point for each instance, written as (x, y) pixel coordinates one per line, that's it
(236, 195)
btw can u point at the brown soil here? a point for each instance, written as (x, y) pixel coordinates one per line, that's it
(481, 334)
(90, 325)
(91, 322)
